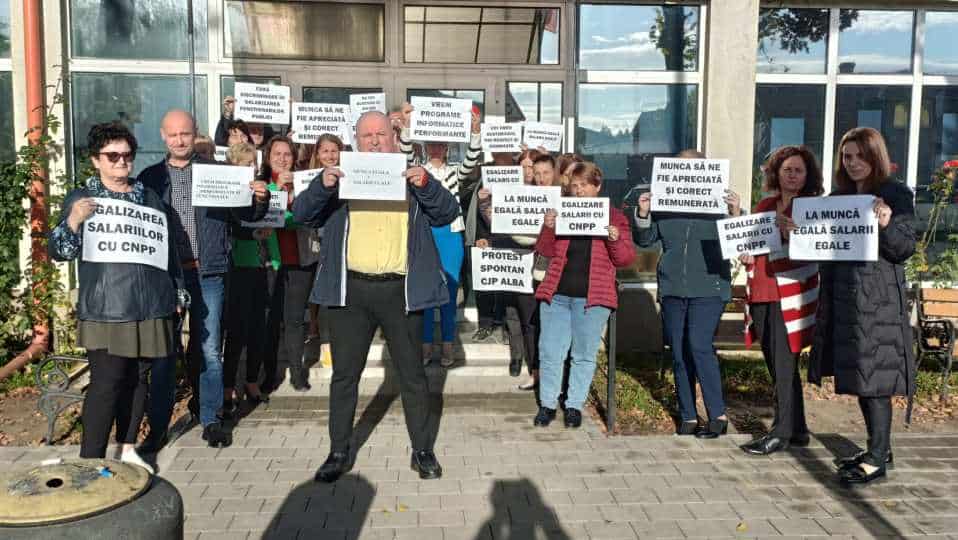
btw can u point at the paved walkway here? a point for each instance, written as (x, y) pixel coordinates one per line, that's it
(506, 480)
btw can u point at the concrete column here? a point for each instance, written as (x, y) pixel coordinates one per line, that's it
(730, 59)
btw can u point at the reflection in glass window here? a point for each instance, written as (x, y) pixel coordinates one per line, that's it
(478, 97)
(7, 148)
(4, 28)
(787, 115)
(139, 101)
(305, 30)
(481, 35)
(339, 96)
(656, 38)
(792, 40)
(875, 41)
(535, 102)
(885, 108)
(141, 30)
(940, 58)
(938, 141)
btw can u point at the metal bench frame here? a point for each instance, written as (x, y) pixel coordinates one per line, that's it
(54, 383)
(940, 329)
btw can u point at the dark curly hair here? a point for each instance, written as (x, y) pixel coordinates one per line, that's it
(103, 134)
(242, 127)
(813, 173)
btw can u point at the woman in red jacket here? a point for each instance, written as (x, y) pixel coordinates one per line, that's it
(782, 298)
(577, 296)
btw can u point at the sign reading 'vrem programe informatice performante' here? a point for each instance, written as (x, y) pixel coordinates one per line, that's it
(262, 103)
(583, 216)
(373, 176)
(839, 228)
(695, 186)
(310, 120)
(520, 209)
(548, 136)
(225, 186)
(508, 175)
(753, 234)
(275, 217)
(440, 119)
(125, 232)
(502, 269)
(498, 137)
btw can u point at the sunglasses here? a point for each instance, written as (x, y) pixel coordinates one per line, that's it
(113, 157)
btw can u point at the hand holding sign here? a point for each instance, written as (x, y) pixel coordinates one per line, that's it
(331, 177)
(260, 190)
(734, 203)
(417, 176)
(645, 205)
(549, 220)
(613, 233)
(883, 211)
(80, 211)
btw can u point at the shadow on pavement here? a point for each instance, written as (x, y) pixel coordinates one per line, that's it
(312, 509)
(512, 519)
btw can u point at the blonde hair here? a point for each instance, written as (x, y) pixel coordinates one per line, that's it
(241, 154)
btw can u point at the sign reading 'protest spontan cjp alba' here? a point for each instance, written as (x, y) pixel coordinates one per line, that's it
(520, 209)
(754, 234)
(275, 217)
(375, 176)
(302, 180)
(225, 186)
(694, 186)
(363, 103)
(310, 120)
(583, 216)
(440, 119)
(494, 175)
(839, 228)
(262, 103)
(499, 137)
(502, 269)
(548, 136)
(125, 232)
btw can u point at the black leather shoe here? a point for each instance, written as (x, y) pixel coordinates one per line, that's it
(425, 463)
(857, 459)
(217, 436)
(336, 465)
(302, 387)
(765, 446)
(690, 427)
(573, 418)
(713, 429)
(857, 475)
(800, 440)
(229, 410)
(544, 417)
(515, 367)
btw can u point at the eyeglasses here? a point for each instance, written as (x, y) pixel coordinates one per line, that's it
(113, 157)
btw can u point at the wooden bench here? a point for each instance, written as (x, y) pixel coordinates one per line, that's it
(58, 387)
(937, 313)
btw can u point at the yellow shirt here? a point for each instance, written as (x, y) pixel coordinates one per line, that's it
(377, 236)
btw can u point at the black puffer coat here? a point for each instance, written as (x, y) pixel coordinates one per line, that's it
(862, 333)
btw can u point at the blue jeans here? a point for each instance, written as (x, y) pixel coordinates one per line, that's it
(451, 253)
(567, 322)
(204, 353)
(690, 325)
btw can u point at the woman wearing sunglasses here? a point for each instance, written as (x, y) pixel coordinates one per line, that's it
(125, 310)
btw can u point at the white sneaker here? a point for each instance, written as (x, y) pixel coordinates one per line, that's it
(131, 457)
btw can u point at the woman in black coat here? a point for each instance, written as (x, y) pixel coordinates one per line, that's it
(863, 335)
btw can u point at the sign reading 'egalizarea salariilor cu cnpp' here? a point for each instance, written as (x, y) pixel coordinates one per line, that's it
(695, 186)
(125, 232)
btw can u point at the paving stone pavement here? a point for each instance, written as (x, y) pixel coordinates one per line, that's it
(504, 479)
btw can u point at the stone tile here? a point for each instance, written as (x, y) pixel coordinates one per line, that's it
(799, 526)
(704, 511)
(666, 512)
(610, 531)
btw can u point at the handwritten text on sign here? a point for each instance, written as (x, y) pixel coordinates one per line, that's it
(222, 185)
(310, 120)
(262, 103)
(754, 234)
(501, 137)
(372, 176)
(502, 269)
(124, 232)
(302, 179)
(275, 217)
(440, 119)
(363, 103)
(498, 176)
(689, 185)
(548, 136)
(839, 228)
(583, 216)
(520, 209)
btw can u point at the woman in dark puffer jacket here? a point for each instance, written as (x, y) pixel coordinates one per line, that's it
(863, 335)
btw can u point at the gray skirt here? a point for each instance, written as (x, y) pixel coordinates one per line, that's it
(154, 338)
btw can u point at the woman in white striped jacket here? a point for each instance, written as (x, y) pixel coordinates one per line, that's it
(782, 298)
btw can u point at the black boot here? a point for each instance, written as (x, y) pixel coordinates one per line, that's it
(336, 465)
(544, 417)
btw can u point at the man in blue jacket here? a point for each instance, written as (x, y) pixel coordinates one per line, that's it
(379, 267)
(203, 247)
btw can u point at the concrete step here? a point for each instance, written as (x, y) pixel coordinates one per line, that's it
(456, 380)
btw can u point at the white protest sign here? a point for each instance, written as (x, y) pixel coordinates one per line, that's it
(262, 103)
(302, 179)
(363, 103)
(501, 175)
(839, 228)
(520, 209)
(754, 234)
(502, 269)
(373, 176)
(275, 217)
(224, 186)
(583, 216)
(548, 136)
(219, 154)
(440, 119)
(310, 120)
(694, 186)
(498, 137)
(125, 232)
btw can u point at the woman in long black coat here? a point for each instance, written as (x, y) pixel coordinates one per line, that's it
(863, 335)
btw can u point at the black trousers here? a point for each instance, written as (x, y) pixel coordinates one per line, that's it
(486, 308)
(783, 367)
(372, 304)
(248, 304)
(116, 396)
(286, 327)
(877, 412)
(521, 318)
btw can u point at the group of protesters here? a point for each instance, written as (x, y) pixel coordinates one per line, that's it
(357, 266)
